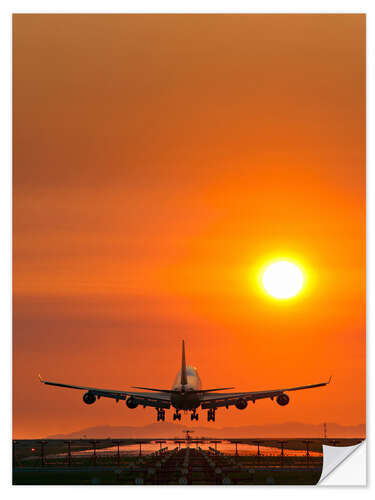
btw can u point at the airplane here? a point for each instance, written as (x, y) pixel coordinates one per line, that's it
(186, 394)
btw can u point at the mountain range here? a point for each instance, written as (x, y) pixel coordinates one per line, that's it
(171, 430)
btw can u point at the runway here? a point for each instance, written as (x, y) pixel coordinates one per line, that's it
(169, 461)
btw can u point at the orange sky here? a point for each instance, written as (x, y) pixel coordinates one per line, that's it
(159, 162)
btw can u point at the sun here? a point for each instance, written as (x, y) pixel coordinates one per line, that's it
(282, 279)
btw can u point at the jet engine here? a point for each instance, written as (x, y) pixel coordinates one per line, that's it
(131, 403)
(282, 399)
(89, 398)
(241, 403)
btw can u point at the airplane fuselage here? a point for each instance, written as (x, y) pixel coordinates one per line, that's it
(184, 396)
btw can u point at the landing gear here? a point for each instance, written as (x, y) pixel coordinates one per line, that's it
(177, 415)
(160, 414)
(211, 415)
(194, 415)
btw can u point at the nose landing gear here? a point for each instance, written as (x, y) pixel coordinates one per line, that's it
(177, 415)
(160, 414)
(211, 415)
(194, 415)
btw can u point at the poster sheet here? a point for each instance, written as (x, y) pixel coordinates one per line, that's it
(188, 248)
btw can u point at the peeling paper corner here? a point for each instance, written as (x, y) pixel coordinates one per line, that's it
(344, 465)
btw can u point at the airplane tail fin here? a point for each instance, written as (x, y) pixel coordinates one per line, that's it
(183, 366)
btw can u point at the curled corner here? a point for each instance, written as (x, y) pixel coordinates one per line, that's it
(344, 465)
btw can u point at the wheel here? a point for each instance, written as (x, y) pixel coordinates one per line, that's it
(196, 416)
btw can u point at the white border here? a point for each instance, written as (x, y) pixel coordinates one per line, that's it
(219, 6)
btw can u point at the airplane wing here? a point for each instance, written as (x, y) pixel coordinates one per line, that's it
(230, 398)
(157, 400)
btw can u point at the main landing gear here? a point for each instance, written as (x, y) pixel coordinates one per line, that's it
(177, 415)
(194, 415)
(160, 414)
(211, 415)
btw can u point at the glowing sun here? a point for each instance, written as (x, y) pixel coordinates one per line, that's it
(282, 279)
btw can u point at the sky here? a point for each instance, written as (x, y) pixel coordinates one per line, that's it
(159, 163)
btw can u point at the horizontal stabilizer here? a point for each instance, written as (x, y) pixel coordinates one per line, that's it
(217, 389)
(167, 391)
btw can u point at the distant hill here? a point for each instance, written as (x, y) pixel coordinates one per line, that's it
(170, 430)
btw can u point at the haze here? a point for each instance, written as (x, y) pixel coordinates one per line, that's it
(159, 162)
